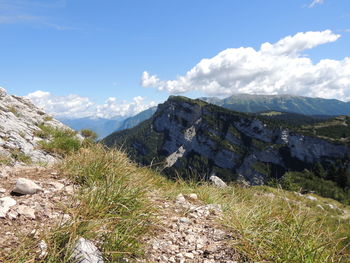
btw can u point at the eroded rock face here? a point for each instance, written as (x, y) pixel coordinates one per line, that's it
(19, 127)
(194, 136)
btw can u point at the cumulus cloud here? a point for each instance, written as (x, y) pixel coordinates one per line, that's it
(277, 68)
(112, 107)
(315, 2)
(75, 106)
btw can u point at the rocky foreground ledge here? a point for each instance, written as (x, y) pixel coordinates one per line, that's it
(30, 201)
(20, 122)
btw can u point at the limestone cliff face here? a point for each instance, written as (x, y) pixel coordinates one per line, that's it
(19, 124)
(206, 139)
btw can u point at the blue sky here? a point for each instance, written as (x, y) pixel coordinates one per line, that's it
(101, 49)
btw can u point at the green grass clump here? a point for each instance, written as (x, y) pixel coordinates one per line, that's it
(5, 160)
(57, 140)
(21, 157)
(86, 133)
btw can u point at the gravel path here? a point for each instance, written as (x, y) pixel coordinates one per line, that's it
(188, 232)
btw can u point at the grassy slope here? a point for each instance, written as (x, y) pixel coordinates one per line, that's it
(111, 207)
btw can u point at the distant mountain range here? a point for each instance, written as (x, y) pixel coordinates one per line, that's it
(283, 103)
(300, 106)
(104, 127)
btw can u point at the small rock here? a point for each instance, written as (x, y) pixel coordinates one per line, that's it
(2, 190)
(320, 206)
(331, 206)
(26, 186)
(12, 215)
(86, 252)
(26, 211)
(193, 196)
(180, 199)
(5, 204)
(310, 197)
(217, 181)
(42, 249)
(184, 220)
(189, 255)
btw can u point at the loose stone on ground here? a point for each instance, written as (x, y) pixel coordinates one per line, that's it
(188, 231)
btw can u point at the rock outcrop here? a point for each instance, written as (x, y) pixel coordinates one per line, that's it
(191, 136)
(19, 128)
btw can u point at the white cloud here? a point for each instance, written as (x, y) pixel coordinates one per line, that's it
(277, 68)
(124, 108)
(75, 106)
(315, 2)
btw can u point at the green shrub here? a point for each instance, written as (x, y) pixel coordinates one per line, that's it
(88, 134)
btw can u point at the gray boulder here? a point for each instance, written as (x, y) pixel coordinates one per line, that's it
(26, 186)
(86, 252)
(217, 181)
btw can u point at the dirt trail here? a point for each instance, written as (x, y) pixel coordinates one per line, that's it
(188, 232)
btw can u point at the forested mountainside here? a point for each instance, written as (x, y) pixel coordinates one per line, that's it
(283, 103)
(193, 138)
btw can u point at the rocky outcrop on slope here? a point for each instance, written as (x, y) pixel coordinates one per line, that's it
(19, 126)
(191, 135)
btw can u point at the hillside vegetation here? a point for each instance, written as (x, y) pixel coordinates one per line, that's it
(112, 207)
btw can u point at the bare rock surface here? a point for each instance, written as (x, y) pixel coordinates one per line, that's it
(19, 129)
(188, 231)
(31, 215)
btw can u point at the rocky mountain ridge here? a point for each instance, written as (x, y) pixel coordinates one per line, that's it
(20, 122)
(283, 103)
(192, 135)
